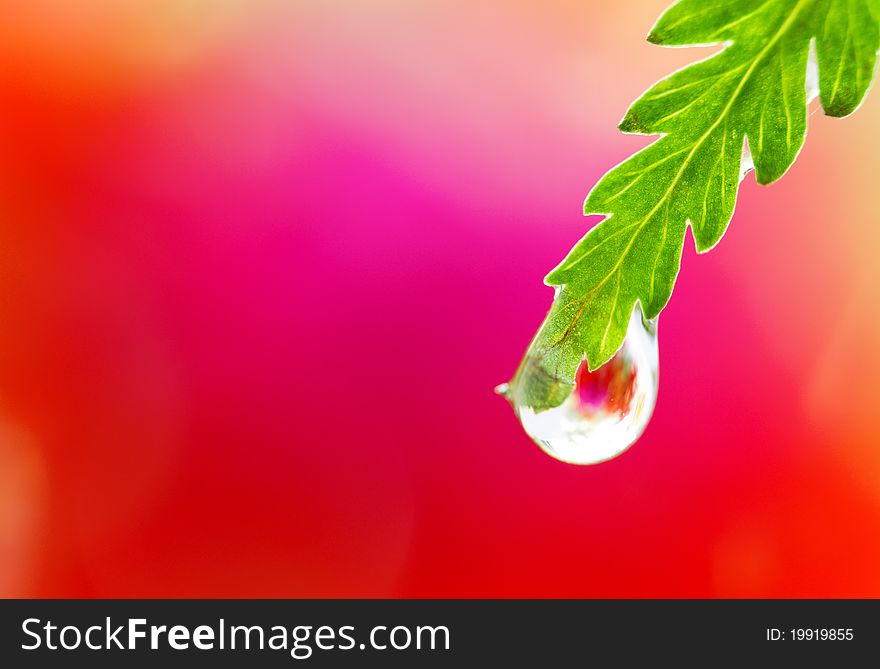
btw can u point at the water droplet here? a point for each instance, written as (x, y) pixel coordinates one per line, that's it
(605, 411)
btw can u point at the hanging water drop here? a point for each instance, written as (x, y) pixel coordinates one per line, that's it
(604, 412)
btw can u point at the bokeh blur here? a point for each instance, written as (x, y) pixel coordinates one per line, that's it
(263, 261)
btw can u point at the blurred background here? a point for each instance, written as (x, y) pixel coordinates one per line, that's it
(262, 263)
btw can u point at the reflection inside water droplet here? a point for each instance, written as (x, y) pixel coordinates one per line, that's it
(605, 411)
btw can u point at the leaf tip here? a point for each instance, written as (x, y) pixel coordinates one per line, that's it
(656, 36)
(552, 279)
(631, 123)
(766, 174)
(838, 107)
(703, 246)
(588, 207)
(593, 367)
(764, 179)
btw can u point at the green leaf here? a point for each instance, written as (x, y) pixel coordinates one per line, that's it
(752, 90)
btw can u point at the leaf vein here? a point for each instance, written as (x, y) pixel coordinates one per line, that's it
(741, 19)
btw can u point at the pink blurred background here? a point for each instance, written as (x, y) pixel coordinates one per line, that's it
(262, 263)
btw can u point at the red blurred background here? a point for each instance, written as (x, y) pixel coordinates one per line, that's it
(262, 263)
